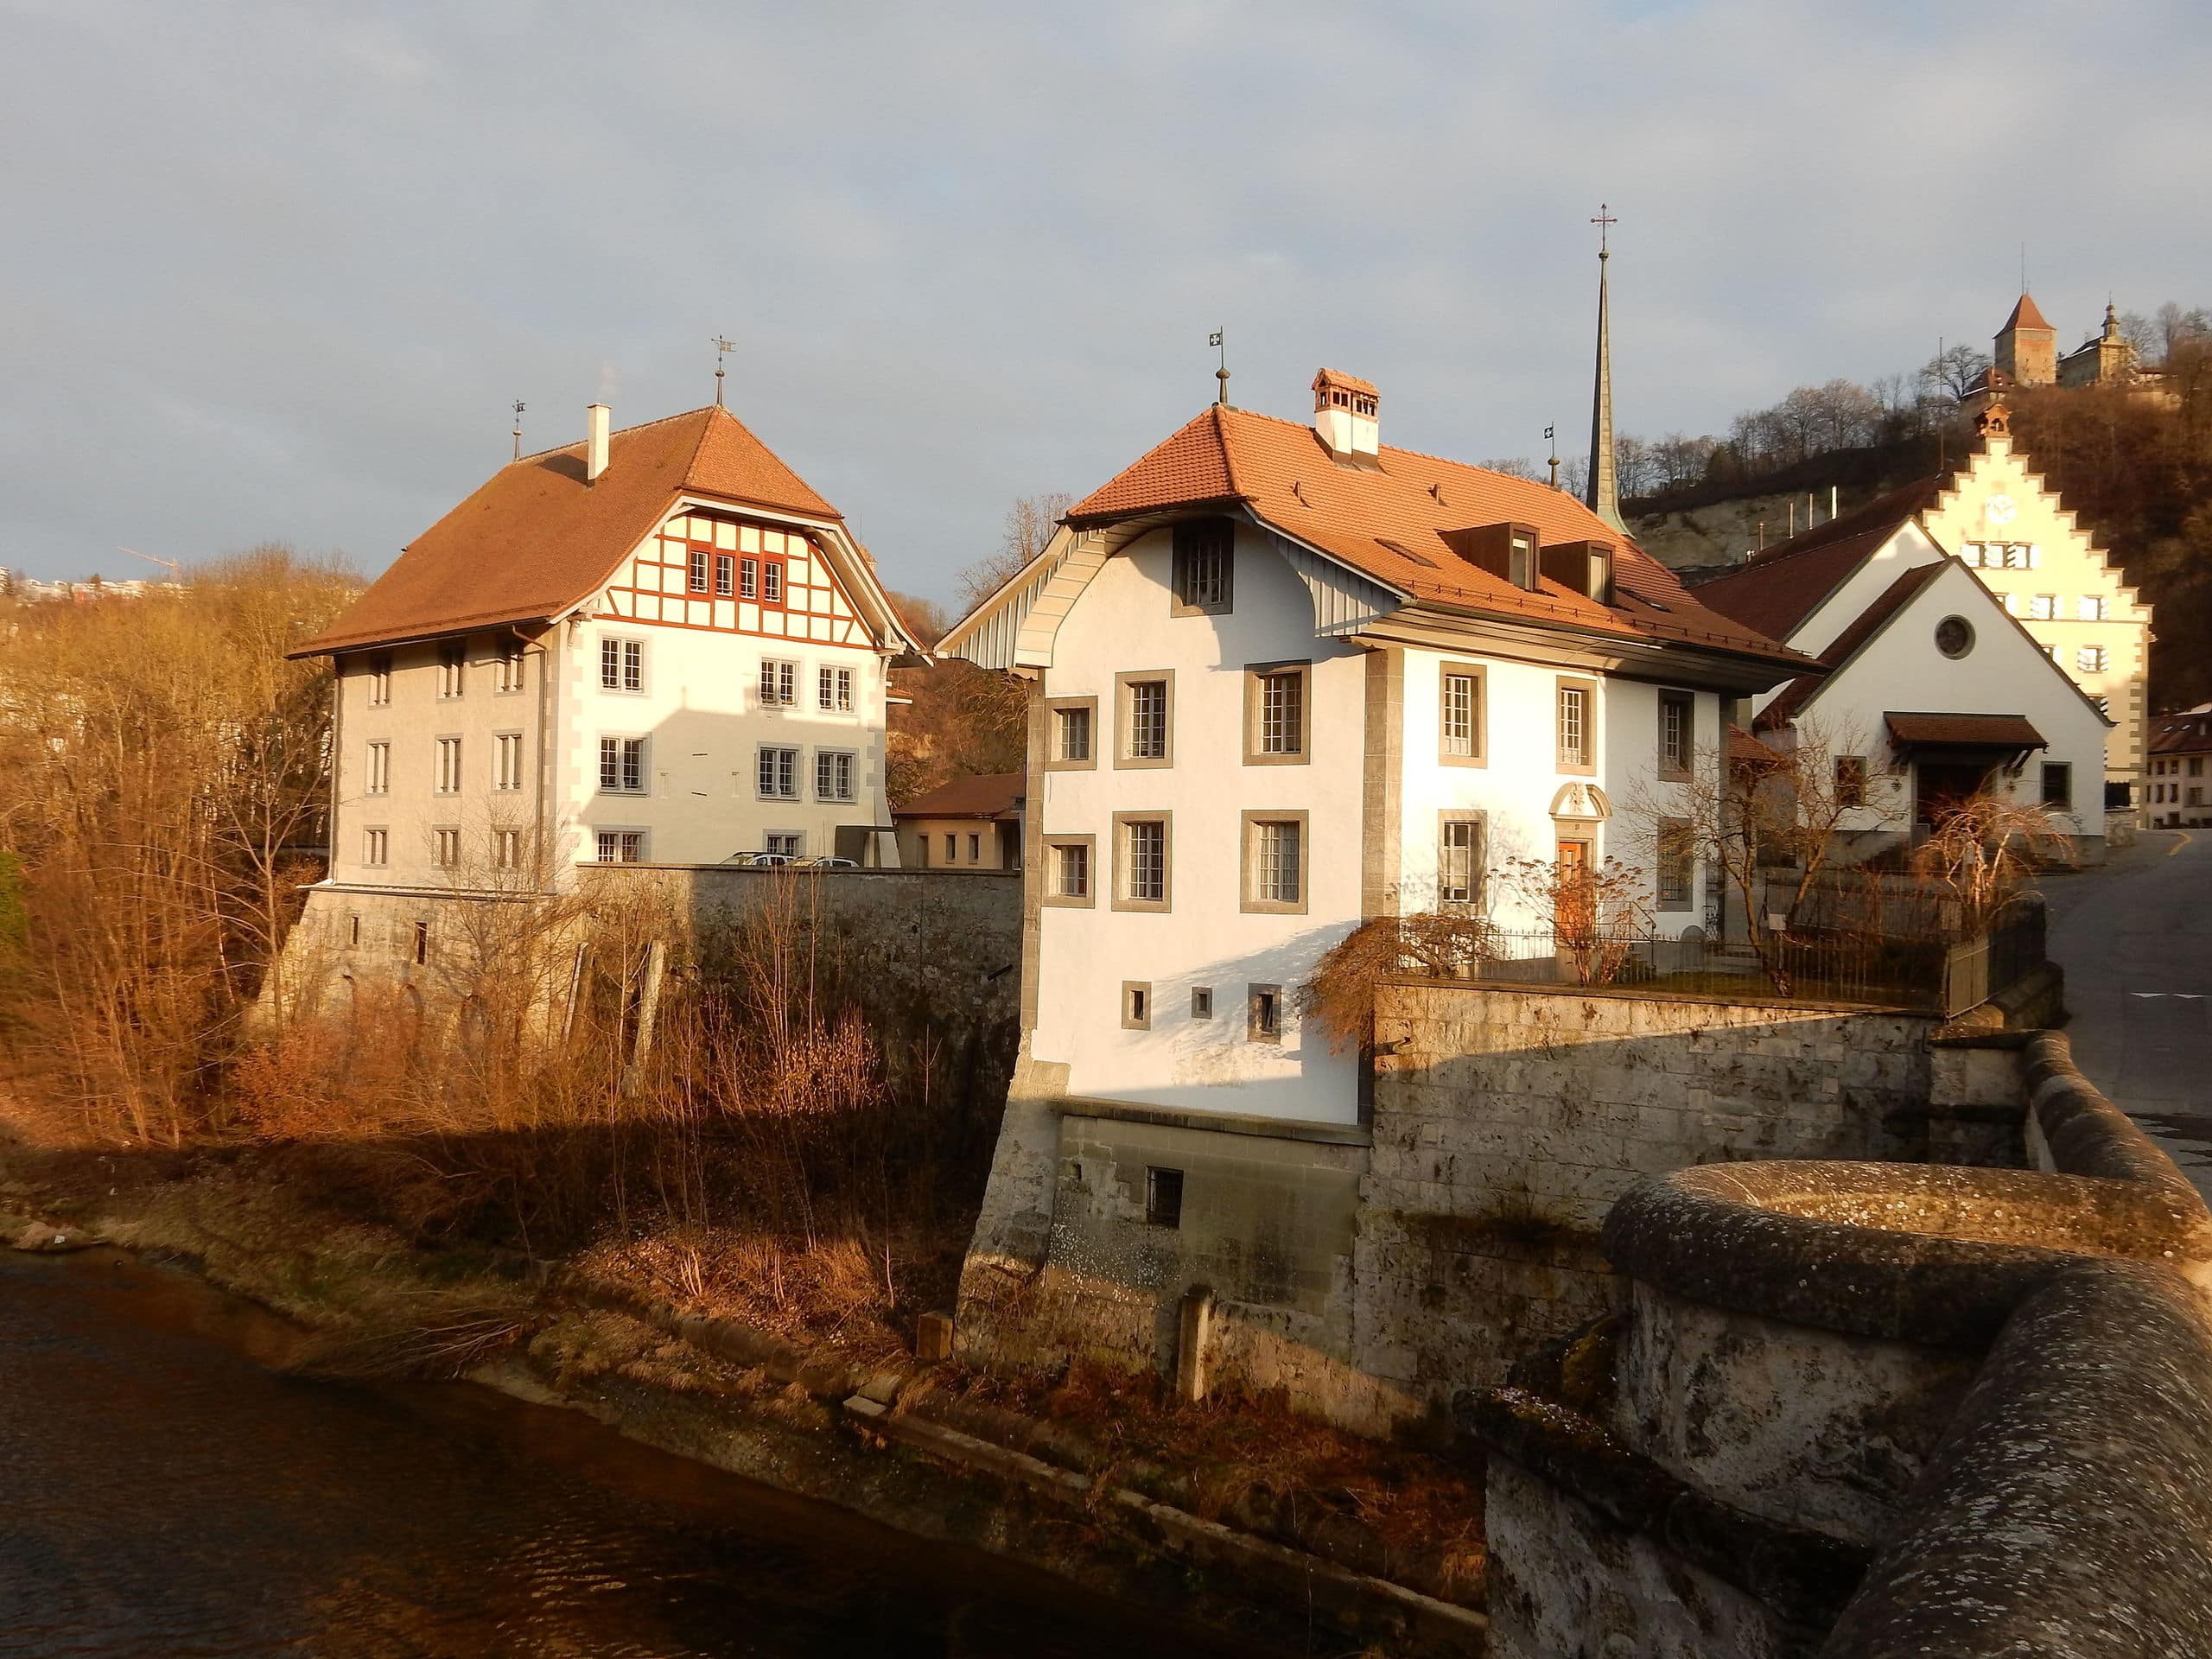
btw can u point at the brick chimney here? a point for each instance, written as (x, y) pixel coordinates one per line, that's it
(598, 417)
(1343, 415)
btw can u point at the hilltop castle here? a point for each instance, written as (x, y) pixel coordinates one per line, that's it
(2024, 353)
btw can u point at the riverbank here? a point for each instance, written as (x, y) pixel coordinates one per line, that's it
(1235, 1512)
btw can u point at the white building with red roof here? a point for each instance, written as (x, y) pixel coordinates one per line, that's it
(656, 645)
(1287, 677)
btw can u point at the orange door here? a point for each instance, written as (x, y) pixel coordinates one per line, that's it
(1575, 905)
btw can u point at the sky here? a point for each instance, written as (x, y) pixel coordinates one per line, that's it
(277, 272)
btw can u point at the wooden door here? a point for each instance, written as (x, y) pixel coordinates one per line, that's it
(1574, 905)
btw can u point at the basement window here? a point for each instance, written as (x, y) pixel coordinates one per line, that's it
(1263, 1015)
(1201, 1001)
(1136, 1004)
(1163, 1196)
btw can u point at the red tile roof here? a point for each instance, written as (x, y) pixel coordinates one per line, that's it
(1776, 591)
(982, 795)
(1965, 731)
(1388, 519)
(2025, 315)
(2188, 733)
(1847, 645)
(535, 538)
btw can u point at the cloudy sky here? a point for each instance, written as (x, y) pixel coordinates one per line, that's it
(276, 272)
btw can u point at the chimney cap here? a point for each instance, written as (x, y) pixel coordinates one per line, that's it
(1332, 390)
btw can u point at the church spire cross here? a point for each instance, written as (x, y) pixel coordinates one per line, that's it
(1603, 221)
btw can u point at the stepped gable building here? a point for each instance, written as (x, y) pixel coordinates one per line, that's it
(1932, 690)
(1996, 517)
(656, 645)
(1285, 677)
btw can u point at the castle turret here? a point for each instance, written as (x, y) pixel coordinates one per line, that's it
(2026, 347)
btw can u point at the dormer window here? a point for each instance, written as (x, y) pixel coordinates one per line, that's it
(1204, 573)
(1508, 551)
(1524, 567)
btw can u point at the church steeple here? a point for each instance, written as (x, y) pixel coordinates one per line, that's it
(1599, 491)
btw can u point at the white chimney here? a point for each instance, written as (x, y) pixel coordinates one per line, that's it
(1344, 414)
(597, 416)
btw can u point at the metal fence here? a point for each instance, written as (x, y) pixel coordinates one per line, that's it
(1932, 973)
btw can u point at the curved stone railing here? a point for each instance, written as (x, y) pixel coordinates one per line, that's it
(1994, 1385)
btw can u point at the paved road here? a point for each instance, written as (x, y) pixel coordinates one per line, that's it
(2135, 938)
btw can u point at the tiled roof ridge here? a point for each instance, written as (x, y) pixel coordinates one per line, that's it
(1400, 449)
(1221, 431)
(578, 443)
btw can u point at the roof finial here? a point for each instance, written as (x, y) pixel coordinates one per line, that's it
(1599, 489)
(1218, 339)
(1554, 443)
(518, 429)
(721, 346)
(2023, 267)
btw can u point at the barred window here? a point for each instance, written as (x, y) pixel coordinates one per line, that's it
(778, 682)
(1203, 565)
(833, 775)
(622, 765)
(1459, 862)
(1461, 715)
(1144, 861)
(778, 775)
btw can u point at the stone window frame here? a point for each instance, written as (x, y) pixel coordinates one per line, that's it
(1479, 873)
(1053, 708)
(2064, 801)
(1118, 897)
(621, 752)
(1688, 769)
(500, 751)
(1201, 1002)
(1255, 675)
(1089, 897)
(1123, 761)
(1253, 1030)
(376, 768)
(1478, 737)
(1685, 857)
(376, 846)
(1248, 862)
(1136, 1004)
(447, 777)
(1177, 570)
(1587, 767)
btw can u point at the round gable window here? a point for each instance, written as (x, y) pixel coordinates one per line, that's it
(1955, 636)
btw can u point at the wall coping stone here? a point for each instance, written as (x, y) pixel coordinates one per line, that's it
(1268, 1129)
(1646, 992)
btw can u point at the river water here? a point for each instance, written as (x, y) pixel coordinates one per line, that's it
(164, 1495)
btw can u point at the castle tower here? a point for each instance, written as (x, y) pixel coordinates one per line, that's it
(2026, 347)
(1600, 492)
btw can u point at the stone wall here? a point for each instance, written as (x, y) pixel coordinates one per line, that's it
(1858, 1409)
(1508, 1122)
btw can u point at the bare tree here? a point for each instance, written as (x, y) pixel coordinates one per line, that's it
(1029, 525)
(1951, 373)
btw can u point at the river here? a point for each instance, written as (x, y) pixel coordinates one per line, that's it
(162, 1493)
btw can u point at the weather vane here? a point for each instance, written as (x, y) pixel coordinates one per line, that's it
(721, 346)
(1219, 340)
(518, 429)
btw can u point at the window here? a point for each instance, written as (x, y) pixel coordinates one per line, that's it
(1459, 860)
(975, 848)
(506, 849)
(772, 582)
(1275, 713)
(2104, 706)
(695, 578)
(2058, 784)
(453, 666)
(1147, 719)
(1275, 864)
(353, 932)
(2093, 609)
(622, 664)
(1954, 636)
(506, 760)
(778, 683)
(725, 574)
(1577, 740)
(951, 847)
(449, 773)
(1677, 863)
(748, 579)
(422, 942)
(1201, 1001)
(1263, 1013)
(1523, 567)
(833, 775)
(376, 845)
(506, 669)
(1140, 845)
(1163, 1197)
(2042, 607)
(834, 689)
(789, 845)
(1460, 715)
(620, 846)
(1851, 780)
(445, 847)
(1067, 870)
(622, 765)
(1205, 564)
(1070, 736)
(778, 775)
(2091, 659)
(379, 772)
(2196, 766)
(1136, 1004)
(379, 678)
(1677, 733)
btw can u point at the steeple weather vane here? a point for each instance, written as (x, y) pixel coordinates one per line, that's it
(1218, 339)
(721, 346)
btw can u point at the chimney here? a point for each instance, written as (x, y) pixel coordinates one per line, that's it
(1343, 415)
(597, 416)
